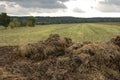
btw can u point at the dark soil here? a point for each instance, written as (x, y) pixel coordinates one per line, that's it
(58, 58)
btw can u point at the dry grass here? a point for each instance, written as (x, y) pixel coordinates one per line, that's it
(78, 32)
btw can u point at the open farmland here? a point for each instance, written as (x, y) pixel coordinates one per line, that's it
(78, 32)
(59, 39)
(59, 58)
(63, 55)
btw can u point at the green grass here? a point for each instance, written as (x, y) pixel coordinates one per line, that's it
(78, 32)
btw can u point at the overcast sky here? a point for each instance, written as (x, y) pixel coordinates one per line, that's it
(76, 8)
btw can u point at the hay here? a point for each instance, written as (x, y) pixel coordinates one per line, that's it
(58, 58)
(53, 46)
(116, 40)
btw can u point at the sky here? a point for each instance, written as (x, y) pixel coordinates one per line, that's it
(75, 8)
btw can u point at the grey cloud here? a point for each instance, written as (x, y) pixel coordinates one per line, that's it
(2, 8)
(21, 11)
(64, 0)
(109, 6)
(114, 2)
(27, 7)
(78, 10)
(46, 4)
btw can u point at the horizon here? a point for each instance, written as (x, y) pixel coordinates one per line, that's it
(60, 8)
(62, 16)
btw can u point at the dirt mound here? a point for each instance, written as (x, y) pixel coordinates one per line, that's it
(6, 56)
(53, 46)
(58, 58)
(116, 40)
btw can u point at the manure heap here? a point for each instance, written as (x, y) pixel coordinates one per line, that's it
(59, 58)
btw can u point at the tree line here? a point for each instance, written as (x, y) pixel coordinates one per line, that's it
(7, 21)
(61, 20)
(67, 20)
(15, 21)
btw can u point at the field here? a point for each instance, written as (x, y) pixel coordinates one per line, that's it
(78, 32)
(63, 55)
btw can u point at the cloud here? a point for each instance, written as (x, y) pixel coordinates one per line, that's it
(60, 7)
(78, 10)
(46, 4)
(28, 7)
(114, 2)
(109, 6)
(2, 8)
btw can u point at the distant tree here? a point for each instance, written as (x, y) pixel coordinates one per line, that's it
(15, 23)
(18, 24)
(23, 23)
(31, 22)
(12, 25)
(4, 19)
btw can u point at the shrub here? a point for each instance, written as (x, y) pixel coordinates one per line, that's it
(15, 23)
(23, 23)
(11, 25)
(31, 22)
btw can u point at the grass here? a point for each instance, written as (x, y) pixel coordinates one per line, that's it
(78, 32)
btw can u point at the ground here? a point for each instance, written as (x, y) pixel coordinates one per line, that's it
(76, 52)
(58, 58)
(78, 32)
